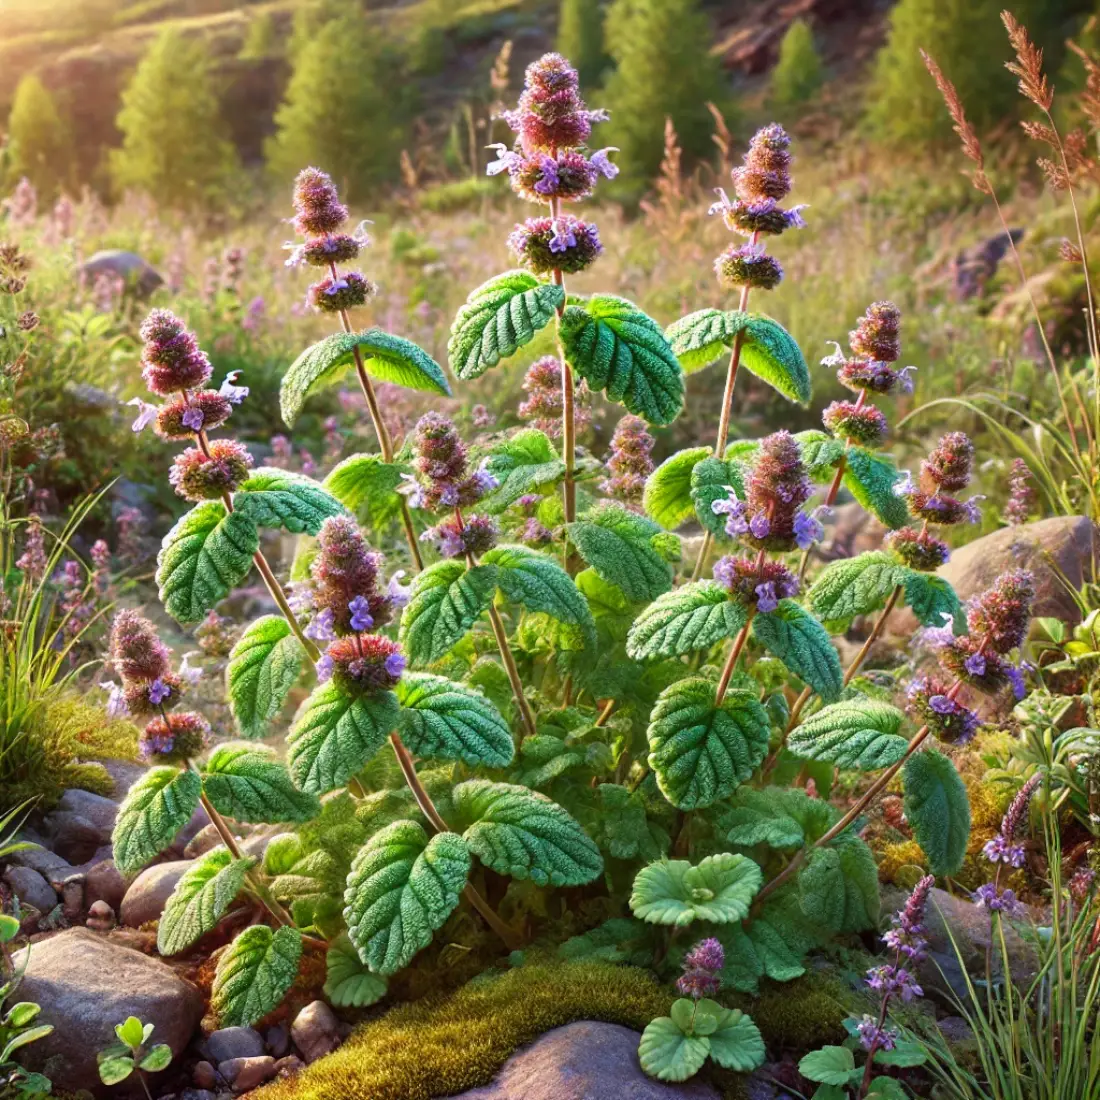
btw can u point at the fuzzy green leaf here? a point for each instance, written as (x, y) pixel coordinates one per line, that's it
(201, 898)
(838, 887)
(450, 721)
(524, 463)
(938, 810)
(666, 1053)
(820, 453)
(497, 319)
(695, 616)
(367, 486)
(712, 480)
(335, 735)
(271, 497)
(617, 348)
(203, 558)
(263, 668)
(386, 357)
(667, 497)
(931, 597)
(871, 480)
(781, 818)
(619, 545)
(401, 888)
(720, 889)
(349, 984)
(248, 784)
(701, 752)
(854, 733)
(829, 1065)
(157, 807)
(803, 645)
(521, 833)
(445, 602)
(254, 974)
(622, 826)
(736, 1044)
(854, 586)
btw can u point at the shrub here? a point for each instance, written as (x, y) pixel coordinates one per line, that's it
(798, 72)
(581, 38)
(41, 141)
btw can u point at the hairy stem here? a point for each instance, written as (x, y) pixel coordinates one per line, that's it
(731, 660)
(876, 631)
(568, 413)
(509, 660)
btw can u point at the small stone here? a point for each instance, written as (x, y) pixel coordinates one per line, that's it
(48, 864)
(100, 811)
(104, 882)
(248, 1073)
(278, 1040)
(233, 1043)
(31, 888)
(150, 891)
(74, 837)
(72, 898)
(204, 1075)
(316, 1031)
(289, 1066)
(101, 917)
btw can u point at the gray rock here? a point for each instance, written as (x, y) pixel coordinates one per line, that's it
(86, 984)
(72, 898)
(74, 837)
(139, 276)
(204, 1075)
(233, 1042)
(277, 1040)
(150, 891)
(584, 1061)
(248, 1073)
(95, 808)
(289, 1066)
(197, 1094)
(315, 1031)
(124, 773)
(31, 888)
(48, 864)
(103, 881)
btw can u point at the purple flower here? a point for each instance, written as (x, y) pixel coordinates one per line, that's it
(189, 673)
(320, 628)
(193, 418)
(146, 414)
(975, 664)
(941, 704)
(1002, 850)
(894, 981)
(398, 593)
(410, 488)
(158, 692)
(548, 183)
(760, 525)
(600, 161)
(116, 700)
(563, 236)
(998, 901)
(506, 160)
(905, 379)
(765, 597)
(395, 664)
(906, 487)
(807, 530)
(837, 359)
(1016, 679)
(972, 509)
(702, 966)
(325, 666)
(361, 618)
(873, 1037)
(233, 393)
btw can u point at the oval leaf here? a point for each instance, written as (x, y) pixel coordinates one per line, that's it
(667, 498)
(367, 486)
(720, 889)
(538, 583)
(855, 733)
(854, 586)
(348, 983)
(666, 1053)
(263, 668)
(736, 1044)
(938, 810)
(248, 784)
(445, 602)
(157, 807)
(201, 898)
(695, 616)
(254, 974)
(932, 598)
(271, 497)
(871, 480)
(619, 545)
(803, 645)
(521, 464)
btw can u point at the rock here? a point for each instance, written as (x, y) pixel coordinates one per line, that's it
(955, 1029)
(72, 898)
(101, 917)
(205, 840)
(582, 1061)
(204, 1075)
(198, 822)
(848, 532)
(73, 837)
(31, 888)
(47, 863)
(196, 1094)
(86, 984)
(289, 1066)
(277, 1040)
(315, 1031)
(973, 267)
(124, 773)
(139, 276)
(104, 882)
(150, 891)
(248, 1073)
(233, 1043)
(95, 808)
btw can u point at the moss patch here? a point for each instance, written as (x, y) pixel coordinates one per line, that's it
(444, 1045)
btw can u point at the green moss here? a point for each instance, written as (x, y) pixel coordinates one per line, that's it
(801, 1015)
(445, 1045)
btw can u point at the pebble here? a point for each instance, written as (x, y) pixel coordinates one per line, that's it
(248, 1073)
(315, 1031)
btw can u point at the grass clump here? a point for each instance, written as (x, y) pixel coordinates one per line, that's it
(444, 1045)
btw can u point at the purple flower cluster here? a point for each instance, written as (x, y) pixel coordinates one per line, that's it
(1004, 847)
(993, 899)
(442, 476)
(345, 576)
(543, 405)
(362, 664)
(756, 583)
(629, 462)
(1021, 494)
(930, 701)
(944, 473)
(172, 361)
(456, 537)
(702, 969)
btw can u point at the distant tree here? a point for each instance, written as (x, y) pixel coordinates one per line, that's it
(261, 40)
(580, 38)
(310, 16)
(40, 141)
(173, 143)
(663, 67)
(344, 110)
(798, 73)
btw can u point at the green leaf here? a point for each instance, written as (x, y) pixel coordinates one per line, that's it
(854, 586)
(838, 887)
(623, 827)
(497, 319)
(203, 558)
(114, 1070)
(666, 1053)
(701, 752)
(830, 1092)
(712, 480)
(667, 498)
(158, 1058)
(619, 545)
(931, 597)
(871, 480)
(201, 898)
(446, 600)
(254, 974)
(523, 463)
(349, 984)
(271, 497)
(9, 928)
(401, 888)
(521, 833)
(938, 810)
(263, 668)
(720, 889)
(803, 645)
(538, 583)
(335, 735)
(886, 1088)
(820, 453)
(767, 349)
(695, 616)
(617, 348)
(736, 1044)
(248, 784)
(781, 818)
(451, 721)
(130, 1032)
(905, 1054)
(158, 805)
(367, 486)
(829, 1065)
(855, 733)
(385, 357)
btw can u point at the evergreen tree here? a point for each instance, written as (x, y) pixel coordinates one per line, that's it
(40, 140)
(580, 38)
(798, 72)
(663, 67)
(173, 143)
(261, 41)
(343, 109)
(309, 17)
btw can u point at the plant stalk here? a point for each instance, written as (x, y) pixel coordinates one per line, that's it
(731, 660)
(568, 412)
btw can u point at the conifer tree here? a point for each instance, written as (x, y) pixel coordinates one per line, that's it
(261, 40)
(173, 143)
(41, 142)
(343, 108)
(580, 38)
(661, 50)
(798, 72)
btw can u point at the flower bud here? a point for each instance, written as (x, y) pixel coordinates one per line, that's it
(919, 550)
(564, 243)
(136, 652)
(171, 356)
(877, 336)
(863, 424)
(365, 664)
(178, 738)
(184, 417)
(197, 477)
(317, 205)
(748, 265)
(335, 293)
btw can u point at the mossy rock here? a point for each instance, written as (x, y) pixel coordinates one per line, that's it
(801, 1015)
